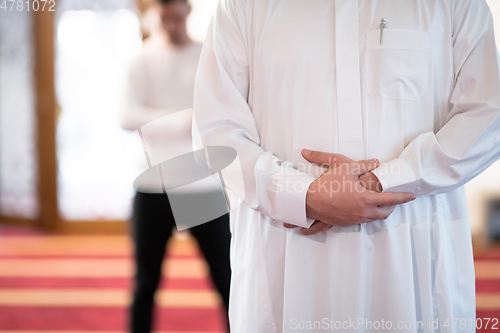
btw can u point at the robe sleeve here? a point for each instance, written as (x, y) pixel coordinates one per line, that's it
(467, 144)
(272, 186)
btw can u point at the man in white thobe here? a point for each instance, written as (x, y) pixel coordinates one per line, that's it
(415, 84)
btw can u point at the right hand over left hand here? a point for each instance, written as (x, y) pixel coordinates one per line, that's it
(338, 197)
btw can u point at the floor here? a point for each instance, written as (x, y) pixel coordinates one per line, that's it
(83, 284)
(51, 283)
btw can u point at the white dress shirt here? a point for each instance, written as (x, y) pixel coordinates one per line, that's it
(160, 83)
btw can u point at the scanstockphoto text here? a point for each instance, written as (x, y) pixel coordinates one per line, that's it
(457, 324)
(344, 182)
(335, 167)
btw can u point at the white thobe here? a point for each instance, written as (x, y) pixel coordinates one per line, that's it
(277, 76)
(160, 82)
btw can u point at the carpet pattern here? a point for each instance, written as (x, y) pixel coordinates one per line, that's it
(80, 284)
(83, 284)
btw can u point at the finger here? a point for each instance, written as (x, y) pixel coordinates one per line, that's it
(322, 158)
(391, 199)
(316, 227)
(359, 168)
(288, 225)
(382, 213)
(371, 182)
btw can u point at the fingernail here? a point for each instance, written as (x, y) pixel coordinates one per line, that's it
(374, 160)
(306, 151)
(413, 198)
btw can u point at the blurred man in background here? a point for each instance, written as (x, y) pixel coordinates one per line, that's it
(161, 82)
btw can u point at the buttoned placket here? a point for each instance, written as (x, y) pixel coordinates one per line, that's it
(349, 111)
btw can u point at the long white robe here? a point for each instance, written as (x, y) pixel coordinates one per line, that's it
(277, 76)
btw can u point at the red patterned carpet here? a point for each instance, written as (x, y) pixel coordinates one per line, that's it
(488, 290)
(82, 284)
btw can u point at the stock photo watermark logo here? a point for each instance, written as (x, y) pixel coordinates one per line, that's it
(345, 176)
(194, 177)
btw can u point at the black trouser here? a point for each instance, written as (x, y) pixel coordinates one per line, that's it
(152, 224)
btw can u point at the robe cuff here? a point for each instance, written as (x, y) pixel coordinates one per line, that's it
(396, 176)
(291, 198)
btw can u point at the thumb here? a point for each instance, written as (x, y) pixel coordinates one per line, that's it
(322, 158)
(364, 166)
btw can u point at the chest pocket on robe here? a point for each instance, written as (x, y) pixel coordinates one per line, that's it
(400, 68)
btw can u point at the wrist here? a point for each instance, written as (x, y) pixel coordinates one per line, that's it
(371, 182)
(311, 200)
